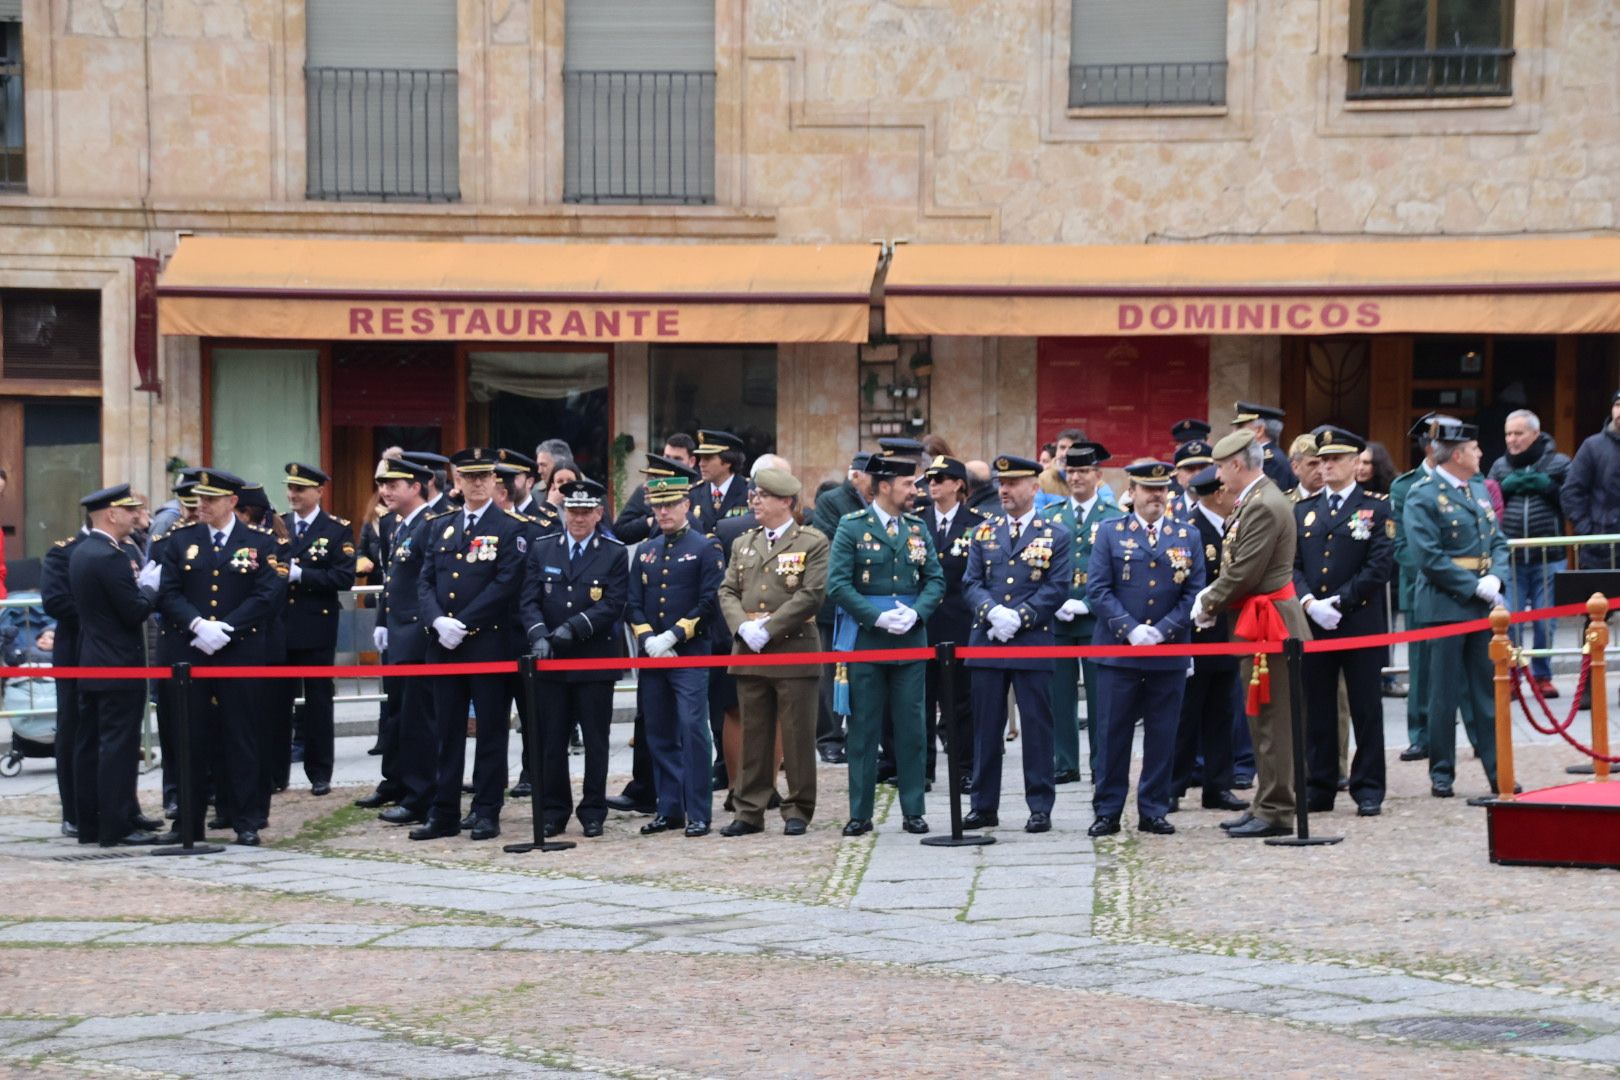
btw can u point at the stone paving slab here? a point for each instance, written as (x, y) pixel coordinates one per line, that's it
(1185, 987)
(286, 1031)
(160, 1025)
(1602, 1048)
(60, 933)
(186, 933)
(1361, 1014)
(1041, 901)
(449, 937)
(322, 934)
(18, 1030)
(563, 940)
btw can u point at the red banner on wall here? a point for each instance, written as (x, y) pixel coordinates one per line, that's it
(146, 326)
(1125, 393)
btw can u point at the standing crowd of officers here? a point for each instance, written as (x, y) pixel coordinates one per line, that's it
(1218, 543)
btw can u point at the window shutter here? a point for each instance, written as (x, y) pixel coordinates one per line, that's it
(640, 35)
(51, 335)
(420, 34)
(1147, 52)
(10, 10)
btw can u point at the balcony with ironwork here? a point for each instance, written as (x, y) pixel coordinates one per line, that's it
(1169, 83)
(638, 137)
(1430, 73)
(382, 135)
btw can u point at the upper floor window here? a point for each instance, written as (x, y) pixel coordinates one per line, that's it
(1147, 52)
(1430, 48)
(13, 152)
(638, 101)
(380, 88)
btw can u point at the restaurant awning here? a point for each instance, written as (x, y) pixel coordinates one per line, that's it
(374, 290)
(1509, 286)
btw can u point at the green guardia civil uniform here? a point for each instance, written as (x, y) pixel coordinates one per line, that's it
(1078, 631)
(870, 568)
(1417, 652)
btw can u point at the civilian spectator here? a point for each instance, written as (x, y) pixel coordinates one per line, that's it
(1531, 475)
(1375, 469)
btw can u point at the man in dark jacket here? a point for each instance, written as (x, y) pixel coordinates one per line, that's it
(1531, 475)
(1591, 494)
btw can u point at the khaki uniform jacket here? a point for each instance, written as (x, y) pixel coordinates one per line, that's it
(788, 584)
(1258, 554)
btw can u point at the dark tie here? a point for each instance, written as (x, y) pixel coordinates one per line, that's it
(1153, 535)
(303, 527)
(573, 552)
(891, 529)
(944, 532)
(1014, 529)
(1333, 503)
(219, 540)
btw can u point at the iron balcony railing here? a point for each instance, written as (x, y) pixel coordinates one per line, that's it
(1094, 85)
(1430, 73)
(13, 153)
(382, 134)
(638, 136)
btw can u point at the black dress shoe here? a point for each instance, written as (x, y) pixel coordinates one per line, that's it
(432, 830)
(981, 819)
(69, 829)
(740, 827)
(552, 828)
(399, 815)
(375, 801)
(918, 825)
(521, 790)
(857, 826)
(217, 823)
(1038, 822)
(170, 837)
(1319, 806)
(1259, 828)
(1224, 800)
(1105, 825)
(795, 826)
(486, 829)
(1441, 791)
(1237, 822)
(320, 787)
(1067, 776)
(1243, 783)
(171, 811)
(143, 823)
(966, 787)
(376, 750)
(248, 838)
(775, 801)
(1344, 783)
(591, 828)
(143, 836)
(832, 756)
(1368, 809)
(628, 805)
(1158, 826)
(1415, 753)
(470, 820)
(697, 828)
(662, 824)
(1175, 806)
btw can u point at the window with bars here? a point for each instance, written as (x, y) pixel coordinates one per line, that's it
(1430, 48)
(1147, 52)
(638, 102)
(381, 109)
(13, 145)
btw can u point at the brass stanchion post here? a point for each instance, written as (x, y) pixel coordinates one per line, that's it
(1597, 644)
(1502, 658)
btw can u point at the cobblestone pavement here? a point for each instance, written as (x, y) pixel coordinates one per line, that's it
(342, 952)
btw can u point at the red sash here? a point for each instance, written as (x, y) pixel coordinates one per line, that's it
(1259, 621)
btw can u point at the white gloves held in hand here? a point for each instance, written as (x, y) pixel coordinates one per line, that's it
(210, 635)
(452, 632)
(1145, 635)
(1325, 612)
(379, 638)
(1004, 623)
(150, 575)
(660, 644)
(897, 620)
(1072, 610)
(1489, 589)
(754, 634)
(294, 571)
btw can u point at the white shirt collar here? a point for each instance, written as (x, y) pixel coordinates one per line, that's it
(310, 520)
(1244, 494)
(1214, 518)
(1442, 471)
(1084, 508)
(883, 517)
(1344, 493)
(1142, 521)
(1023, 522)
(412, 516)
(946, 517)
(724, 485)
(104, 532)
(1305, 494)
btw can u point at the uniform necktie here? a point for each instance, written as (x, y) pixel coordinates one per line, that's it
(715, 494)
(219, 540)
(1333, 503)
(574, 552)
(472, 523)
(303, 527)
(1153, 535)
(891, 528)
(1014, 529)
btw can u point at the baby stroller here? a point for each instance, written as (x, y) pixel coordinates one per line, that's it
(31, 736)
(33, 733)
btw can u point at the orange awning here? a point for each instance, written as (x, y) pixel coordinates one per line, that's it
(1510, 286)
(375, 290)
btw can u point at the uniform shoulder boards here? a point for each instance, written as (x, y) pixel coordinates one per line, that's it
(855, 513)
(263, 530)
(611, 539)
(441, 513)
(514, 514)
(1378, 495)
(61, 543)
(341, 521)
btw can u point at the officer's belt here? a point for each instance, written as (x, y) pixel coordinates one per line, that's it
(1472, 562)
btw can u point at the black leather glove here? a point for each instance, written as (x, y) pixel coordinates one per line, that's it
(563, 635)
(537, 635)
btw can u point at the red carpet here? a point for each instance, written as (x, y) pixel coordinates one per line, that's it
(1569, 825)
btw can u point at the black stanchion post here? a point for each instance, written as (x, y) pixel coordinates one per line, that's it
(945, 657)
(1294, 661)
(180, 688)
(527, 676)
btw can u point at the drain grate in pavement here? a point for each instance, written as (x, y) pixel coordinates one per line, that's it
(97, 856)
(1479, 1029)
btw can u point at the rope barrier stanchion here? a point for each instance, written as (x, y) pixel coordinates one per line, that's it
(180, 687)
(1597, 643)
(1503, 659)
(528, 675)
(1294, 661)
(945, 657)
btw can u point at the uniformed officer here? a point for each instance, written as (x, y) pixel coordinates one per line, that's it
(114, 596)
(951, 523)
(1191, 458)
(1345, 557)
(1081, 514)
(723, 494)
(775, 581)
(1188, 430)
(1143, 574)
(1459, 548)
(1267, 424)
(220, 582)
(574, 591)
(470, 568)
(885, 578)
(1017, 576)
(319, 570)
(438, 492)
(541, 520)
(253, 509)
(1417, 652)
(169, 643)
(674, 598)
(56, 597)
(1209, 708)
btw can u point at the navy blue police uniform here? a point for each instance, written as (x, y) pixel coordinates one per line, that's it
(56, 597)
(952, 620)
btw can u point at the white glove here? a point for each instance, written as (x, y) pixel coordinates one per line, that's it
(890, 620)
(1072, 610)
(210, 635)
(1198, 608)
(660, 644)
(1006, 620)
(379, 638)
(294, 571)
(908, 618)
(452, 632)
(150, 576)
(1201, 620)
(754, 634)
(1489, 589)
(1144, 635)
(1325, 613)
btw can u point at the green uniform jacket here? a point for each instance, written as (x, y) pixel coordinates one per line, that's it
(1104, 509)
(1399, 488)
(867, 561)
(1441, 526)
